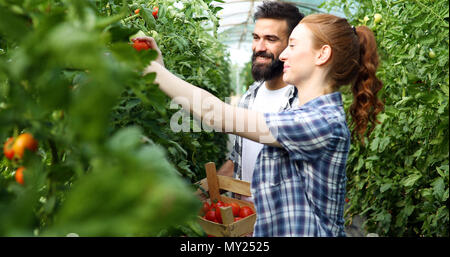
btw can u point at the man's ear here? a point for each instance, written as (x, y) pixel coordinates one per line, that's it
(323, 55)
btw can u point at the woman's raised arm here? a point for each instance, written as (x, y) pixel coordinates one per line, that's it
(210, 110)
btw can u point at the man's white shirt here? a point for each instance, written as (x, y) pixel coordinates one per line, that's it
(266, 101)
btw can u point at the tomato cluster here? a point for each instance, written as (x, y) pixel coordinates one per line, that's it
(154, 11)
(14, 149)
(212, 212)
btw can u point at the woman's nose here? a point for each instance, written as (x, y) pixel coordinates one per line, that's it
(283, 55)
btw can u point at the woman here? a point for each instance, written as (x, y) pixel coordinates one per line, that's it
(299, 179)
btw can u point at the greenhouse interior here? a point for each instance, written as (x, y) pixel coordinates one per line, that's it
(159, 119)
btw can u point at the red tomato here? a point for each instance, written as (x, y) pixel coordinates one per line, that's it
(19, 175)
(7, 148)
(217, 204)
(219, 216)
(136, 11)
(211, 215)
(155, 12)
(237, 218)
(236, 208)
(140, 45)
(245, 211)
(220, 204)
(24, 141)
(206, 207)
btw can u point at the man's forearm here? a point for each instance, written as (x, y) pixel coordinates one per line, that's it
(227, 169)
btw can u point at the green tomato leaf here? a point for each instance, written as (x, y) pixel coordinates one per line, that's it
(411, 180)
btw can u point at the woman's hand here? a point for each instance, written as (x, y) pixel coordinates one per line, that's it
(152, 44)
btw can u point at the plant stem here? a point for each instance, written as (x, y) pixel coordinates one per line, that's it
(55, 158)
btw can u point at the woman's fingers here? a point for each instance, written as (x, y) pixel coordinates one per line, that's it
(152, 45)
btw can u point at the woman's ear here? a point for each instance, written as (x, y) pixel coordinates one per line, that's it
(323, 55)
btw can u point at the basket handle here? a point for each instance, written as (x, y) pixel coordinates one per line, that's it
(213, 182)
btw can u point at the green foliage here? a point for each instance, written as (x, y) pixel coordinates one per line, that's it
(150, 189)
(108, 163)
(399, 180)
(185, 31)
(246, 76)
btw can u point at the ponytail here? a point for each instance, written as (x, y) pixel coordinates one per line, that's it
(354, 62)
(366, 104)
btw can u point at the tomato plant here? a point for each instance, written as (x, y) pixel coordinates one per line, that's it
(398, 181)
(186, 33)
(69, 77)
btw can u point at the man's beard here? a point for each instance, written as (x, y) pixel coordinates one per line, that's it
(266, 72)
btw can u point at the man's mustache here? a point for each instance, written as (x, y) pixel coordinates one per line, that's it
(262, 54)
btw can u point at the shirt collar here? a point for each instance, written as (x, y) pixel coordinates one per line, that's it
(334, 98)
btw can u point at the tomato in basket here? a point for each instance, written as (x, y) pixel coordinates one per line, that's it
(245, 211)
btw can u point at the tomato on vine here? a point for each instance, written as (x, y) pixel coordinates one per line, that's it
(19, 175)
(155, 12)
(377, 18)
(22, 142)
(431, 54)
(7, 148)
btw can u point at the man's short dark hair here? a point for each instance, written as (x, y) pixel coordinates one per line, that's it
(280, 11)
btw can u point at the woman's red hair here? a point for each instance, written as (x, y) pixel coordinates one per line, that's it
(354, 60)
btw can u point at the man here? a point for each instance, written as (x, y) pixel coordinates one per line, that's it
(274, 22)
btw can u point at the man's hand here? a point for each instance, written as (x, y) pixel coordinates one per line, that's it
(152, 44)
(227, 169)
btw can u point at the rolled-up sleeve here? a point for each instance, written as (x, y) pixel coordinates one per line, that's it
(303, 133)
(232, 155)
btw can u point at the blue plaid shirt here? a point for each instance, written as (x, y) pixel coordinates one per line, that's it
(299, 189)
